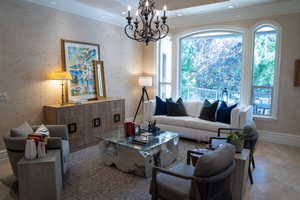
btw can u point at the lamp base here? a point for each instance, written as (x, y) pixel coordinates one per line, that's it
(62, 94)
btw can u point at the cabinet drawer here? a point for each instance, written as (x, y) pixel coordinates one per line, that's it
(115, 114)
(95, 121)
(73, 117)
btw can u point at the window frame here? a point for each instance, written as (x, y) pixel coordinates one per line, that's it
(247, 64)
(158, 69)
(242, 33)
(275, 95)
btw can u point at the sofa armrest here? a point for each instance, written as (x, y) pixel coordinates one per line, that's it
(246, 115)
(235, 117)
(149, 109)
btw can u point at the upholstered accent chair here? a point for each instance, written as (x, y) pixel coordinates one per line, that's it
(208, 180)
(58, 139)
(250, 140)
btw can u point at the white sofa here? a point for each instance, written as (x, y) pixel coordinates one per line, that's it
(191, 126)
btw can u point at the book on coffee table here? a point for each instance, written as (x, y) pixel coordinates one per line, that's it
(141, 139)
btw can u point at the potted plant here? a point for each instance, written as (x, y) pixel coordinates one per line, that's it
(236, 138)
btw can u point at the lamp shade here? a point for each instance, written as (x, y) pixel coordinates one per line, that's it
(60, 76)
(145, 81)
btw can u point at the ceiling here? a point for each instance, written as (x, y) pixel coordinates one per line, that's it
(180, 12)
(118, 5)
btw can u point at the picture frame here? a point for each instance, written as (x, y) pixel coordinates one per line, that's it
(100, 79)
(77, 58)
(297, 73)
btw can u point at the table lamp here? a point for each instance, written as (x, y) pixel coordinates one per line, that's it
(144, 81)
(61, 76)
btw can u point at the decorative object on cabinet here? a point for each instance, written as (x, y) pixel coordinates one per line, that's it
(100, 79)
(297, 73)
(86, 120)
(77, 58)
(61, 76)
(144, 81)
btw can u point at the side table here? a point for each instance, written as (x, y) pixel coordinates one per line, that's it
(240, 175)
(41, 178)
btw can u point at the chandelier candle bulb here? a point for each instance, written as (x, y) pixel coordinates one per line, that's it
(145, 27)
(129, 9)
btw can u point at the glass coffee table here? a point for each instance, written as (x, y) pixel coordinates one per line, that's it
(138, 159)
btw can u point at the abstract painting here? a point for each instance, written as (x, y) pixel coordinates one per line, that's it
(78, 60)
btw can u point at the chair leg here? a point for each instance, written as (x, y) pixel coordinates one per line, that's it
(253, 163)
(250, 175)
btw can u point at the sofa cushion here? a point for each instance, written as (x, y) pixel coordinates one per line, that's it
(176, 109)
(175, 121)
(208, 111)
(224, 113)
(215, 162)
(161, 106)
(197, 123)
(21, 131)
(193, 108)
(171, 187)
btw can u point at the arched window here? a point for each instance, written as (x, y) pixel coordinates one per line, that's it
(264, 70)
(210, 66)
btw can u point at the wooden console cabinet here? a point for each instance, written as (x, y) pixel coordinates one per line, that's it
(86, 120)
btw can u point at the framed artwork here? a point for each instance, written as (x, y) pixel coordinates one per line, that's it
(77, 58)
(100, 79)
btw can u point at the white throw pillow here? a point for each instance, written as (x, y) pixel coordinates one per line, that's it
(193, 108)
(21, 131)
(42, 130)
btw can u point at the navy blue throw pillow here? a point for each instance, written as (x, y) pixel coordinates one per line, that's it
(208, 111)
(161, 106)
(176, 109)
(224, 113)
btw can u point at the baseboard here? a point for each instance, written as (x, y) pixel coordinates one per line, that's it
(280, 138)
(3, 155)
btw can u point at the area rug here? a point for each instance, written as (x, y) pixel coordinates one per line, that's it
(89, 179)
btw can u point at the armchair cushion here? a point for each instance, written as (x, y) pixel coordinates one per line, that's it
(171, 187)
(215, 162)
(21, 131)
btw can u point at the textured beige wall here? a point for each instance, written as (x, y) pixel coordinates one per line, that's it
(289, 96)
(30, 47)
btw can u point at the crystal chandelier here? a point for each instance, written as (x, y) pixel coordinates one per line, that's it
(147, 26)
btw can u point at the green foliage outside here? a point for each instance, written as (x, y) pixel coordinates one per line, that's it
(264, 58)
(215, 62)
(211, 62)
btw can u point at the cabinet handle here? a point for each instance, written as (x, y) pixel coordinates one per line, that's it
(72, 128)
(97, 122)
(117, 118)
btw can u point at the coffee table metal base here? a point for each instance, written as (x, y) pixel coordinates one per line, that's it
(138, 162)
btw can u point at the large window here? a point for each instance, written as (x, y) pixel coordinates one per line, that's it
(165, 68)
(219, 65)
(264, 70)
(210, 66)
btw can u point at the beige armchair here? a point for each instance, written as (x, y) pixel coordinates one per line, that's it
(208, 180)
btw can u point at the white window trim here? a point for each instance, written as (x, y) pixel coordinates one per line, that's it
(248, 52)
(157, 66)
(176, 51)
(275, 98)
